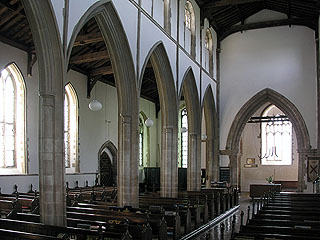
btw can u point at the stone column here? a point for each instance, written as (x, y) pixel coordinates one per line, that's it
(194, 163)
(128, 186)
(169, 163)
(209, 162)
(216, 160)
(51, 161)
(234, 170)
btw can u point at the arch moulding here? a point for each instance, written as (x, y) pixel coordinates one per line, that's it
(248, 109)
(212, 141)
(117, 43)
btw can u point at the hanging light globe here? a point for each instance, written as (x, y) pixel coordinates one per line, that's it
(95, 105)
(148, 122)
(204, 137)
(184, 129)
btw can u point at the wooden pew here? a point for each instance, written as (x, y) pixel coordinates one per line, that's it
(281, 219)
(54, 231)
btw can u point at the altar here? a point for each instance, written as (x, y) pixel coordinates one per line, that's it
(258, 190)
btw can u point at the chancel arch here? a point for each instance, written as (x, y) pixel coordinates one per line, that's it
(191, 97)
(248, 109)
(118, 63)
(211, 138)
(169, 118)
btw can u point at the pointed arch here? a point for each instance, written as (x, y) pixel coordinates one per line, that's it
(71, 129)
(169, 116)
(50, 58)
(190, 28)
(123, 69)
(212, 140)
(250, 107)
(12, 121)
(190, 92)
(114, 152)
(208, 53)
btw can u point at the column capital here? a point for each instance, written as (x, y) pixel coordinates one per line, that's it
(229, 152)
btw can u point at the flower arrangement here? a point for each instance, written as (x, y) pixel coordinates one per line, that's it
(269, 179)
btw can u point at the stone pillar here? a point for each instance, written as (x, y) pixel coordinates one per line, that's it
(302, 170)
(169, 163)
(234, 170)
(51, 161)
(216, 161)
(209, 162)
(128, 186)
(194, 163)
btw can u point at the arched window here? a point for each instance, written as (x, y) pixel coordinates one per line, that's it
(208, 53)
(184, 138)
(71, 129)
(276, 137)
(189, 29)
(12, 121)
(167, 15)
(140, 141)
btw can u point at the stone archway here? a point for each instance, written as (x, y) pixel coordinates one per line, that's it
(114, 152)
(191, 95)
(123, 69)
(169, 109)
(51, 92)
(212, 141)
(249, 108)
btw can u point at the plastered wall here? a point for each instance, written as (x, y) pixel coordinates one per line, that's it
(280, 58)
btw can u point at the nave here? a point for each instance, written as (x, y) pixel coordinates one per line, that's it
(92, 213)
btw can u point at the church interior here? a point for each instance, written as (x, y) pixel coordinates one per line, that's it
(159, 119)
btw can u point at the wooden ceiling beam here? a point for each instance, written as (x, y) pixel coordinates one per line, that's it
(223, 3)
(14, 43)
(101, 71)
(11, 8)
(90, 57)
(88, 39)
(276, 23)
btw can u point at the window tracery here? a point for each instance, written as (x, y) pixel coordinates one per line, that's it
(276, 138)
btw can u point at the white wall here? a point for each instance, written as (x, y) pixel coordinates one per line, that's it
(280, 58)
(149, 110)
(10, 55)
